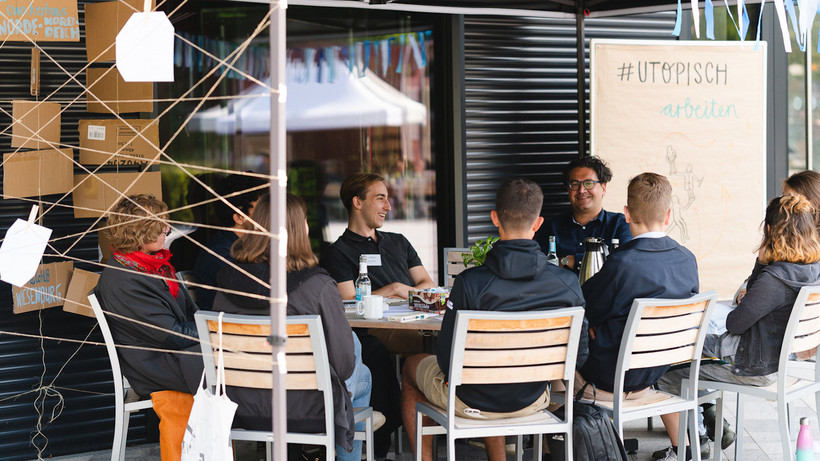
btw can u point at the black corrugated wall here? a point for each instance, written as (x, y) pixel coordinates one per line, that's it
(521, 106)
(84, 406)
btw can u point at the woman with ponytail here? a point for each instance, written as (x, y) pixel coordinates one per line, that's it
(152, 312)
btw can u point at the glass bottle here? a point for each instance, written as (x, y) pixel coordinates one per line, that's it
(552, 258)
(363, 282)
(615, 243)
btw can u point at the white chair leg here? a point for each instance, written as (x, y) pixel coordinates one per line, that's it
(682, 435)
(718, 450)
(568, 446)
(519, 447)
(368, 437)
(451, 449)
(419, 435)
(269, 451)
(741, 406)
(120, 432)
(783, 417)
(694, 435)
(537, 446)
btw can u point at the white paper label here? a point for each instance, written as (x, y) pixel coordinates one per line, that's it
(373, 260)
(96, 132)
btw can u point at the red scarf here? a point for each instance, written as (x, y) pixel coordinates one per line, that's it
(157, 263)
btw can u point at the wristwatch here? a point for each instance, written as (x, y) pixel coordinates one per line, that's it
(565, 261)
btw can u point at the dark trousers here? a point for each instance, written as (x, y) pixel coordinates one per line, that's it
(386, 391)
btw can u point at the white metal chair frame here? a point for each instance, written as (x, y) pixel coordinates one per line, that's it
(452, 257)
(802, 334)
(122, 410)
(248, 363)
(663, 332)
(541, 346)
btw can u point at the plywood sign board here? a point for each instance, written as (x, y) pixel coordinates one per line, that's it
(95, 194)
(46, 289)
(35, 125)
(36, 173)
(118, 142)
(39, 21)
(694, 112)
(103, 21)
(120, 96)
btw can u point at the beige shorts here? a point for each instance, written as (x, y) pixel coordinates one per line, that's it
(430, 380)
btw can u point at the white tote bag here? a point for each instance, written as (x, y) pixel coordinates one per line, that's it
(208, 435)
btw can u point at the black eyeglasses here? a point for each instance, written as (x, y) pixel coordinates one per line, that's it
(587, 183)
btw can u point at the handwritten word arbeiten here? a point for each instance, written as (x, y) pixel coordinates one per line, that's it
(709, 109)
(675, 73)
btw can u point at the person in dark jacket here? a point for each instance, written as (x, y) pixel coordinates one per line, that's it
(651, 265)
(140, 287)
(310, 291)
(515, 277)
(788, 259)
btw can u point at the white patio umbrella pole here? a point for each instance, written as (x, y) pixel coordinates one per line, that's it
(278, 185)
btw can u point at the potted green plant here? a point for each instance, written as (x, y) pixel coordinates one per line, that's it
(478, 252)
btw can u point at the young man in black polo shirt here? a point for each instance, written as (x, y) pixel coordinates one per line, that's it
(394, 268)
(393, 265)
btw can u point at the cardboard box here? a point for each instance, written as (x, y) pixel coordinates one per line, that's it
(99, 139)
(36, 173)
(46, 289)
(103, 21)
(76, 298)
(40, 21)
(428, 300)
(93, 198)
(35, 124)
(109, 87)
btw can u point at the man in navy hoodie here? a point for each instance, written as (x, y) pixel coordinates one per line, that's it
(651, 265)
(515, 277)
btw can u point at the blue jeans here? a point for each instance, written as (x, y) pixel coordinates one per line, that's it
(359, 384)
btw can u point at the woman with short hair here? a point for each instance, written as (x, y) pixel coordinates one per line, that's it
(152, 311)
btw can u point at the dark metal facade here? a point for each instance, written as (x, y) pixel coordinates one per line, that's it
(80, 396)
(521, 102)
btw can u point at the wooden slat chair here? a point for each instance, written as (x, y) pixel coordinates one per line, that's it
(454, 264)
(491, 347)
(795, 379)
(122, 410)
(248, 363)
(663, 332)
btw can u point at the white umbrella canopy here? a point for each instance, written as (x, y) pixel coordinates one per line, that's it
(339, 100)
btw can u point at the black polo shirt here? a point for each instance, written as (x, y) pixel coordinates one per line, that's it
(397, 257)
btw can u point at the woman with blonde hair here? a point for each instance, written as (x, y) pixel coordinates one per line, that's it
(310, 291)
(139, 284)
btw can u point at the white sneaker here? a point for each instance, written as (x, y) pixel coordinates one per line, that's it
(378, 420)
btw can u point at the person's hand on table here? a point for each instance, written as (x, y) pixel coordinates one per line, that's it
(394, 290)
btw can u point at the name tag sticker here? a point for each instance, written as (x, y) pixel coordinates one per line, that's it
(449, 304)
(373, 259)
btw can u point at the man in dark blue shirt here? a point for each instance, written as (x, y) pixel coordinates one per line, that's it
(586, 179)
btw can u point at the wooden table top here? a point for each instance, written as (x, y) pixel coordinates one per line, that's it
(428, 324)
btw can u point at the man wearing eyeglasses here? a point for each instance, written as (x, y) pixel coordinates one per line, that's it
(586, 179)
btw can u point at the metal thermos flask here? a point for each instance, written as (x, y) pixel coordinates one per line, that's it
(593, 258)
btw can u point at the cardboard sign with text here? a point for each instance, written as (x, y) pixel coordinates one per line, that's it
(35, 124)
(93, 197)
(103, 21)
(39, 21)
(100, 139)
(76, 298)
(36, 173)
(46, 289)
(109, 87)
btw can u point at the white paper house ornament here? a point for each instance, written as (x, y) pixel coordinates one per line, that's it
(145, 48)
(22, 250)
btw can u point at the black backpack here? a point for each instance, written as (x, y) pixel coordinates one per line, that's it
(594, 437)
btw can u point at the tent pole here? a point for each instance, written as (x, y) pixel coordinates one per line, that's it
(581, 68)
(278, 248)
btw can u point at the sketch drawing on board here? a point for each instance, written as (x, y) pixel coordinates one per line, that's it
(690, 182)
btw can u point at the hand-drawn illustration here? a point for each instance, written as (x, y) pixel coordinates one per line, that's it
(690, 181)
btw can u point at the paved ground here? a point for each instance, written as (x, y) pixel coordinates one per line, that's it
(762, 438)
